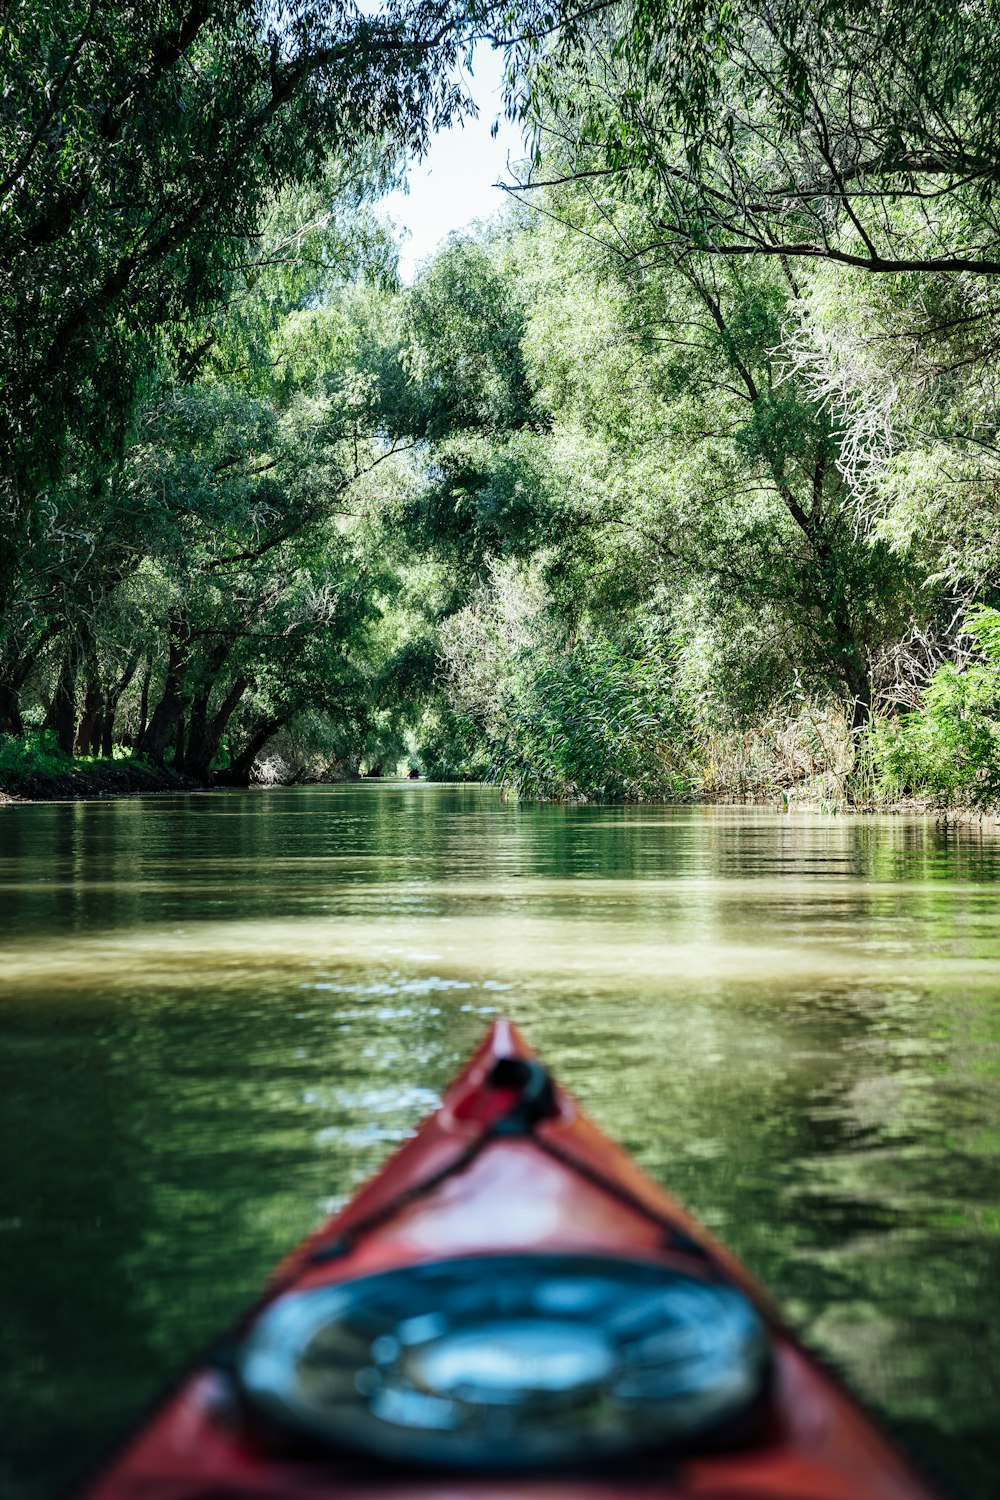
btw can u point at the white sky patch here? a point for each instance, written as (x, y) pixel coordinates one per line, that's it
(454, 183)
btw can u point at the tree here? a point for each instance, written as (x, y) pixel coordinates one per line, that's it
(847, 130)
(466, 393)
(141, 147)
(220, 545)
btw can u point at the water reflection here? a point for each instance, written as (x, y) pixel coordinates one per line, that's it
(220, 1012)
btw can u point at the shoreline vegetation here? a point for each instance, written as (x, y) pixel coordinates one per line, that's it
(36, 774)
(41, 773)
(666, 482)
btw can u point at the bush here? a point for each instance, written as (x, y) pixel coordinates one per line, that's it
(32, 753)
(949, 749)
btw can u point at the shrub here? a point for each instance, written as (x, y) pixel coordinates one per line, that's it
(949, 749)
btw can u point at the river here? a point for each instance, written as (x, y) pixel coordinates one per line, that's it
(219, 1012)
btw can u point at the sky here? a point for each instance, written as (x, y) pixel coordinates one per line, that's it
(453, 184)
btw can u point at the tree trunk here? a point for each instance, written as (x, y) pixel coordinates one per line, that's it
(853, 673)
(147, 678)
(111, 701)
(10, 710)
(162, 727)
(860, 688)
(14, 674)
(61, 716)
(89, 728)
(197, 757)
(107, 728)
(205, 734)
(226, 710)
(239, 771)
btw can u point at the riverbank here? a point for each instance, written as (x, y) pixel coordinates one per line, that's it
(113, 779)
(33, 770)
(28, 774)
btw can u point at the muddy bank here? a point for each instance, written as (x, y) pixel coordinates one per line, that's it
(47, 780)
(29, 776)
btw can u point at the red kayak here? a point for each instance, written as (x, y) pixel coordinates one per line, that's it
(510, 1310)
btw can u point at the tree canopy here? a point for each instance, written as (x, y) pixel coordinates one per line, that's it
(681, 475)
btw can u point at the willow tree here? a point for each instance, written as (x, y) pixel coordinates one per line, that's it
(849, 151)
(140, 149)
(857, 131)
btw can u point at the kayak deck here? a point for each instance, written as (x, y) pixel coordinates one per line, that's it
(508, 1167)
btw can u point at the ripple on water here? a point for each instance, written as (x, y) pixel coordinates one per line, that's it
(219, 1014)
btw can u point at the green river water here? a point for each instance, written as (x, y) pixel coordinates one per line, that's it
(218, 1013)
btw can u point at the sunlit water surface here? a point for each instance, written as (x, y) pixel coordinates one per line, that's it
(219, 1013)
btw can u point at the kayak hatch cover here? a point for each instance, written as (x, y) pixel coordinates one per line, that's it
(510, 1310)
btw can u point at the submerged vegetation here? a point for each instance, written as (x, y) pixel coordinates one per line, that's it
(681, 477)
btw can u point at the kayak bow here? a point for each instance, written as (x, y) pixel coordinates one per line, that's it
(510, 1308)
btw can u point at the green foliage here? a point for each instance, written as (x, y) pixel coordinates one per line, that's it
(857, 131)
(186, 191)
(220, 564)
(19, 756)
(464, 326)
(33, 766)
(142, 148)
(599, 721)
(451, 747)
(804, 453)
(614, 496)
(950, 748)
(466, 391)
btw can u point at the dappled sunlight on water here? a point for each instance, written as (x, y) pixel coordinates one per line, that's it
(220, 1012)
(617, 948)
